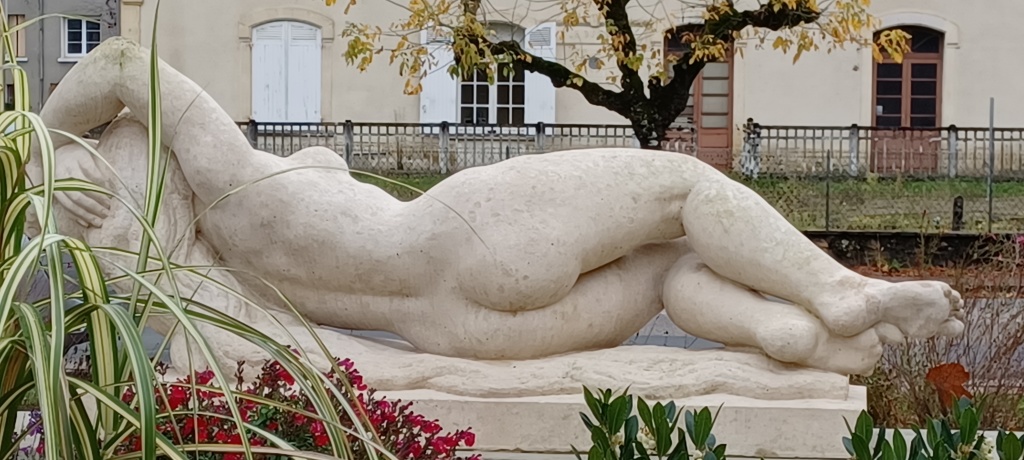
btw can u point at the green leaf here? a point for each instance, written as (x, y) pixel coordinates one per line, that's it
(645, 413)
(878, 443)
(632, 428)
(968, 426)
(662, 433)
(681, 451)
(617, 413)
(594, 405)
(887, 452)
(899, 445)
(1010, 448)
(865, 426)
(848, 444)
(702, 427)
(720, 451)
(860, 448)
(709, 455)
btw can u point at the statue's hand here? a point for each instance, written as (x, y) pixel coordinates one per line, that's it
(88, 208)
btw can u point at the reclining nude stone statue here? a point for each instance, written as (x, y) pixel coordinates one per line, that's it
(519, 278)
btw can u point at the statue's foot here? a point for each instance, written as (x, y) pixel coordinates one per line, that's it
(921, 309)
(910, 309)
(806, 342)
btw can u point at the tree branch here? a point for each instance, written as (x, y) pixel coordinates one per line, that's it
(624, 41)
(560, 76)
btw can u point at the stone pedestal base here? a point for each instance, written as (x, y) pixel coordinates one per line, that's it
(795, 429)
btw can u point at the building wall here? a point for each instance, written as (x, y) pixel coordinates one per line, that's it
(212, 47)
(46, 63)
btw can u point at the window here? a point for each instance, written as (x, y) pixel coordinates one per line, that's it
(909, 93)
(286, 72)
(20, 37)
(503, 103)
(710, 91)
(80, 37)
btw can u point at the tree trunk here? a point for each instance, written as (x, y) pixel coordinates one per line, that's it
(649, 133)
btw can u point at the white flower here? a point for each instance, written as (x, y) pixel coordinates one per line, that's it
(988, 449)
(647, 440)
(617, 440)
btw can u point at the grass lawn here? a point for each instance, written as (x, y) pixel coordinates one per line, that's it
(855, 204)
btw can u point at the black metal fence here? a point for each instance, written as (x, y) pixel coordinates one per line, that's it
(819, 177)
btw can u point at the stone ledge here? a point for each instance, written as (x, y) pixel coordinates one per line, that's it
(547, 427)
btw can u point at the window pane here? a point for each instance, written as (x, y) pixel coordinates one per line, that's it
(92, 25)
(890, 105)
(923, 122)
(503, 116)
(482, 116)
(467, 93)
(922, 106)
(503, 94)
(75, 37)
(888, 121)
(714, 121)
(716, 70)
(889, 88)
(74, 24)
(483, 94)
(925, 42)
(519, 95)
(518, 116)
(714, 104)
(716, 86)
(890, 71)
(467, 115)
(520, 76)
(929, 70)
(92, 36)
(74, 48)
(923, 88)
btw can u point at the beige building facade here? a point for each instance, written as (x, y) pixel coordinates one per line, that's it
(282, 61)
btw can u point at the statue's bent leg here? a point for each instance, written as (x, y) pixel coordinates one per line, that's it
(706, 305)
(742, 238)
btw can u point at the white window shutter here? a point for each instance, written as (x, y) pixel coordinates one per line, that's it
(541, 41)
(304, 56)
(439, 98)
(269, 83)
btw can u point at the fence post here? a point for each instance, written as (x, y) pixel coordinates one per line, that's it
(445, 143)
(540, 138)
(958, 213)
(350, 141)
(252, 132)
(991, 156)
(954, 140)
(854, 150)
(750, 157)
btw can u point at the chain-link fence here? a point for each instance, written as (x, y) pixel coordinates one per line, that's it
(820, 178)
(867, 178)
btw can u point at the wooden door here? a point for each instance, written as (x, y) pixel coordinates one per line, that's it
(908, 97)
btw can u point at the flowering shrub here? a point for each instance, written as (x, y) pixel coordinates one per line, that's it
(204, 417)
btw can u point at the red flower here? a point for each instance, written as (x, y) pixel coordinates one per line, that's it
(443, 443)
(299, 419)
(177, 397)
(205, 377)
(415, 450)
(283, 375)
(468, 438)
(272, 425)
(234, 456)
(431, 428)
(415, 420)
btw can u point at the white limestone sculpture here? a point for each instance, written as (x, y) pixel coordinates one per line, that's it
(535, 269)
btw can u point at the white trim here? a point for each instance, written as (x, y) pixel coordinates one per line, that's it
(931, 21)
(69, 57)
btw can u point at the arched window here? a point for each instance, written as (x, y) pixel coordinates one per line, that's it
(286, 64)
(909, 94)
